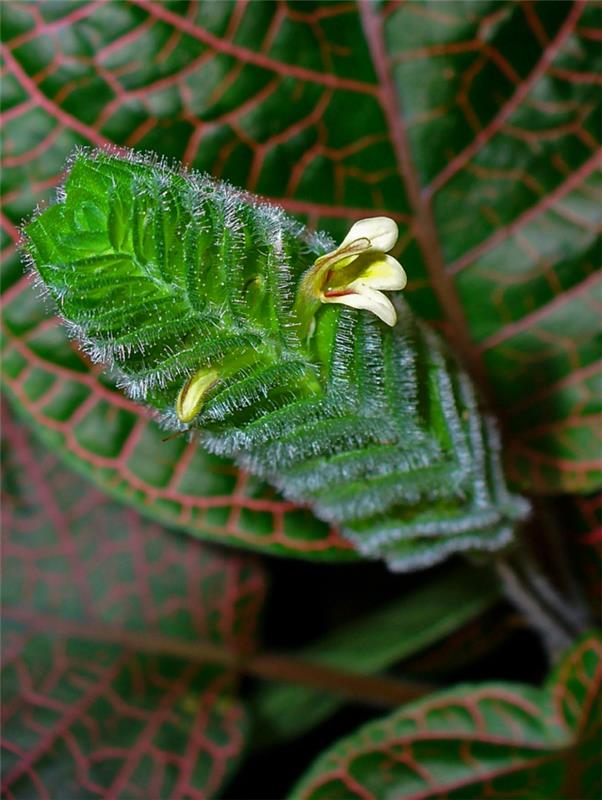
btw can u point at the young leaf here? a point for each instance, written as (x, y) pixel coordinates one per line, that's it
(478, 741)
(99, 698)
(372, 644)
(491, 172)
(222, 332)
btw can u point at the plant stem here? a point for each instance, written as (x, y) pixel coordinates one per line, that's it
(557, 555)
(374, 690)
(572, 617)
(557, 622)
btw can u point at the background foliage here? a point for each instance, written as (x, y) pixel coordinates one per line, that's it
(474, 124)
(96, 601)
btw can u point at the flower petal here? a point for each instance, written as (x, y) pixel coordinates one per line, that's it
(381, 233)
(384, 272)
(336, 257)
(368, 299)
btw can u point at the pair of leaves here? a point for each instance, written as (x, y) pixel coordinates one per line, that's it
(484, 152)
(490, 740)
(119, 643)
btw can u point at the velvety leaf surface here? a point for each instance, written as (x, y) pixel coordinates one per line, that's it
(98, 698)
(372, 644)
(492, 740)
(374, 427)
(474, 125)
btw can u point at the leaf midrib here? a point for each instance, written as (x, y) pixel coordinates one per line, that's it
(424, 223)
(374, 690)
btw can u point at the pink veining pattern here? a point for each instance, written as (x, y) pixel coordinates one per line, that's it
(504, 737)
(82, 578)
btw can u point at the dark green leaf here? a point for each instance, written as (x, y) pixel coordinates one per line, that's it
(118, 643)
(477, 741)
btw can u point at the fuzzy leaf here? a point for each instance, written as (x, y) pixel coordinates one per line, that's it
(477, 741)
(99, 698)
(340, 111)
(196, 296)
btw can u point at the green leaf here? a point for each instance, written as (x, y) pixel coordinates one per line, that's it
(373, 426)
(119, 639)
(473, 124)
(372, 644)
(477, 741)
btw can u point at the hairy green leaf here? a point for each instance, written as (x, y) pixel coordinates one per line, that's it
(371, 644)
(97, 604)
(193, 294)
(474, 124)
(476, 741)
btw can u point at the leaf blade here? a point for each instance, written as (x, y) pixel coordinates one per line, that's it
(95, 618)
(475, 740)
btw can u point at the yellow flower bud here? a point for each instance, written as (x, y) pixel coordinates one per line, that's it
(190, 398)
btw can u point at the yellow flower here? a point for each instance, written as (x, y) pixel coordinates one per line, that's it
(359, 270)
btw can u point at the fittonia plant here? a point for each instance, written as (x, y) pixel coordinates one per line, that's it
(280, 349)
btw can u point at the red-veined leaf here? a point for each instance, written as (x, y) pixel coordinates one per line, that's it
(119, 639)
(493, 740)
